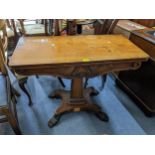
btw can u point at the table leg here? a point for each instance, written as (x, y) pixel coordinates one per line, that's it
(77, 100)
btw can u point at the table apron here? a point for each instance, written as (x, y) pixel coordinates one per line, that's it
(73, 71)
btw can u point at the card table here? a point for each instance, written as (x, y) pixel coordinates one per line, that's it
(75, 57)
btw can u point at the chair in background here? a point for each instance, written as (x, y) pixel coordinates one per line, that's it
(11, 28)
(37, 27)
(81, 23)
(101, 26)
(75, 26)
(105, 26)
(12, 34)
(32, 27)
(4, 41)
(8, 111)
(3, 36)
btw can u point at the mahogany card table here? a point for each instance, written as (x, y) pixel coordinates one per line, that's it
(75, 57)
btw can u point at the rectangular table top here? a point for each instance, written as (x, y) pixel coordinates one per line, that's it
(74, 49)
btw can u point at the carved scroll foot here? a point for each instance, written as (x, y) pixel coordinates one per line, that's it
(54, 120)
(102, 116)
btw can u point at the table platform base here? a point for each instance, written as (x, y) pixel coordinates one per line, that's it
(70, 104)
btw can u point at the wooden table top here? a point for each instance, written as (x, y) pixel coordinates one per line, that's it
(74, 49)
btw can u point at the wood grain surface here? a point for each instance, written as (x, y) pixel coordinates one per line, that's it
(74, 49)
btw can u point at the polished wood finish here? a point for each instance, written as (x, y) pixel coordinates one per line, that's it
(76, 57)
(140, 84)
(73, 49)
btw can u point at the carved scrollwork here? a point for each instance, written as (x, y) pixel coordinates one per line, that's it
(82, 71)
(136, 65)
